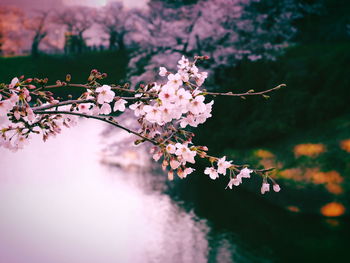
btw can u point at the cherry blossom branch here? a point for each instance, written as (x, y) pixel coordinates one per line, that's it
(64, 84)
(72, 102)
(64, 103)
(85, 86)
(163, 111)
(104, 119)
(235, 166)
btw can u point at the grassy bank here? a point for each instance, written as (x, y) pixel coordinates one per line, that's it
(56, 67)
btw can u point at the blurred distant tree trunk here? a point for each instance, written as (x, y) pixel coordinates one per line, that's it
(120, 41)
(38, 26)
(114, 20)
(77, 21)
(112, 40)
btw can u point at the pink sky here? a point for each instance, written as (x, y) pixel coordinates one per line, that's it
(47, 4)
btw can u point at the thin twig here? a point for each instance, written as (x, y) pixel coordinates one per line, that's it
(67, 85)
(244, 94)
(235, 166)
(86, 87)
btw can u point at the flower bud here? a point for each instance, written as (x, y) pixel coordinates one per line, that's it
(276, 188)
(180, 173)
(171, 175)
(137, 142)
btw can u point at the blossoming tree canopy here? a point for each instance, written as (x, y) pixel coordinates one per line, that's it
(165, 112)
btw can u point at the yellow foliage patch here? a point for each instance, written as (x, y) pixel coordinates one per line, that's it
(264, 154)
(309, 149)
(333, 209)
(345, 145)
(293, 209)
(331, 179)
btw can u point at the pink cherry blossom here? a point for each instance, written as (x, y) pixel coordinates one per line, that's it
(245, 173)
(200, 78)
(5, 107)
(188, 171)
(14, 98)
(153, 114)
(197, 105)
(175, 80)
(167, 94)
(276, 188)
(30, 114)
(84, 107)
(105, 94)
(166, 113)
(183, 99)
(119, 105)
(174, 164)
(17, 114)
(157, 156)
(211, 171)
(105, 109)
(188, 120)
(137, 108)
(183, 63)
(170, 148)
(236, 181)
(185, 153)
(162, 71)
(265, 188)
(14, 82)
(223, 165)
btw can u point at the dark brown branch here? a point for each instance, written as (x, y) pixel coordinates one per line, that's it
(67, 85)
(70, 102)
(104, 119)
(64, 103)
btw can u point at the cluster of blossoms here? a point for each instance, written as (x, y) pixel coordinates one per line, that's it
(173, 102)
(163, 111)
(18, 118)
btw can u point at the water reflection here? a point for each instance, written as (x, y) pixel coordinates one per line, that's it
(59, 204)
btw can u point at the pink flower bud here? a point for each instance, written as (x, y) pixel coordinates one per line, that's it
(171, 175)
(276, 188)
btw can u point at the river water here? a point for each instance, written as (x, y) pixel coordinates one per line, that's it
(61, 202)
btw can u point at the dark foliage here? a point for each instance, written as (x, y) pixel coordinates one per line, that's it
(317, 78)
